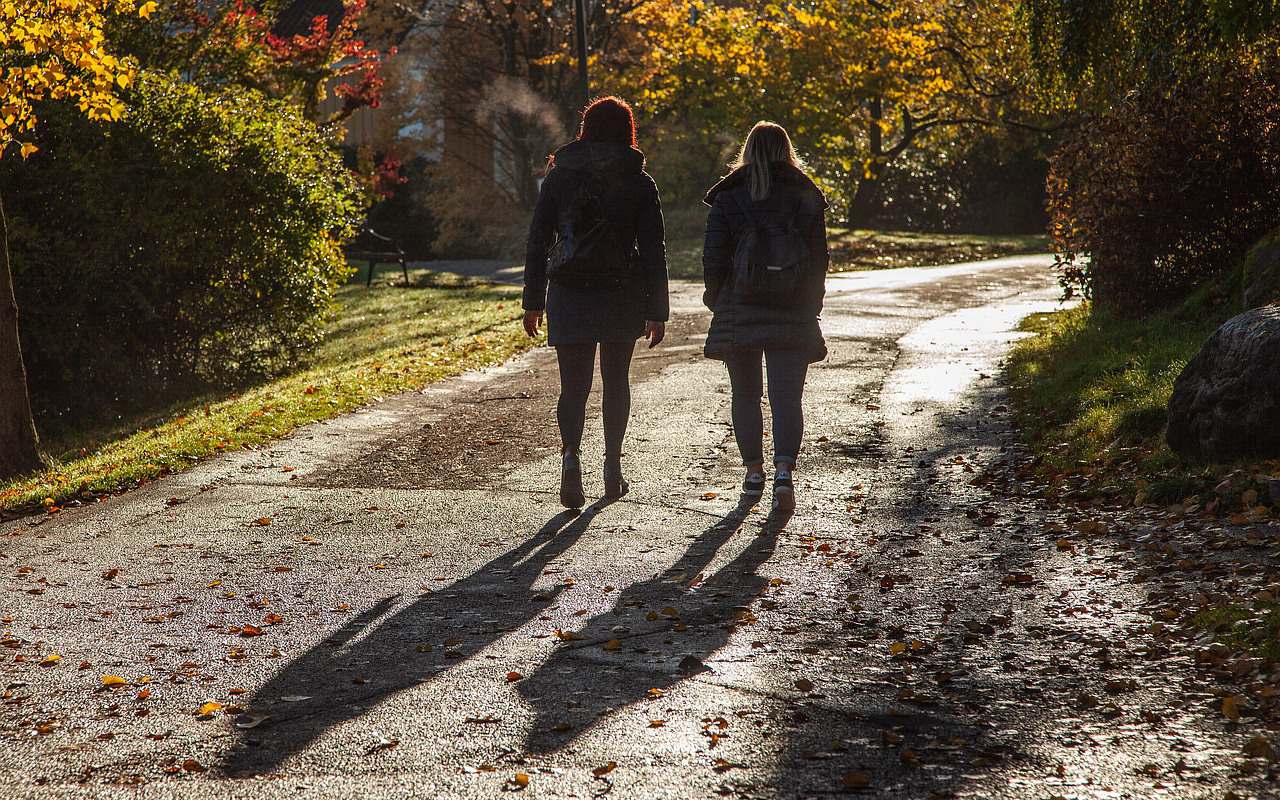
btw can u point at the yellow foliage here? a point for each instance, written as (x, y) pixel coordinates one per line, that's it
(55, 50)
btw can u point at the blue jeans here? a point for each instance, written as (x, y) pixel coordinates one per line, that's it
(786, 370)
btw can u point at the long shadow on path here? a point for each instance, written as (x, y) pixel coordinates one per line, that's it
(366, 661)
(673, 623)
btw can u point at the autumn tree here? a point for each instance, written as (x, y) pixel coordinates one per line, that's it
(50, 50)
(235, 42)
(858, 82)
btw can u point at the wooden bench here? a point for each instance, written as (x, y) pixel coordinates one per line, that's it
(371, 246)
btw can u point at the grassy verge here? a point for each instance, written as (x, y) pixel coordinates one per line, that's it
(382, 341)
(1092, 391)
(862, 249)
(1247, 626)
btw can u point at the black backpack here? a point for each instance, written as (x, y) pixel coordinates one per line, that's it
(768, 261)
(588, 252)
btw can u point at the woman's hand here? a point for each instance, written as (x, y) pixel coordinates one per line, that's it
(532, 321)
(654, 331)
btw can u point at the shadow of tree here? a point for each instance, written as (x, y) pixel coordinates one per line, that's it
(367, 660)
(682, 607)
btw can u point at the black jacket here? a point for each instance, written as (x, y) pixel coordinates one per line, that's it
(736, 326)
(632, 204)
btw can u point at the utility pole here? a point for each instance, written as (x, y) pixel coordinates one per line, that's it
(580, 24)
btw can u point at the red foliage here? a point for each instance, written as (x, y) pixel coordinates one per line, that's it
(339, 54)
(234, 44)
(1169, 189)
(387, 176)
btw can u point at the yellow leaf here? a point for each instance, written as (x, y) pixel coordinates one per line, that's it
(27, 150)
(147, 9)
(208, 708)
(113, 680)
(520, 779)
(50, 660)
(1231, 707)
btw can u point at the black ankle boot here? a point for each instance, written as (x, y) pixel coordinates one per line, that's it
(615, 485)
(571, 494)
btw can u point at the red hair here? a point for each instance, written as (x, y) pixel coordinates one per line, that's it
(608, 119)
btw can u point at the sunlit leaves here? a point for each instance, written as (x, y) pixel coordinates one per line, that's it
(55, 50)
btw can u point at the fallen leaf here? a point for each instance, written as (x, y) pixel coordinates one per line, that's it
(191, 765)
(519, 780)
(50, 660)
(113, 680)
(382, 744)
(262, 521)
(600, 772)
(109, 574)
(1260, 747)
(657, 723)
(247, 721)
(855, 780)
(513, 676)
(1231, 707)
(804, 685)
(692, 665)
(208, 708)
(612, 644)
(710, 496)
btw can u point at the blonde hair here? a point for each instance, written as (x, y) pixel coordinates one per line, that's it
(768, 143)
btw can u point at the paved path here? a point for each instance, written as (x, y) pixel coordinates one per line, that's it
(433, 625)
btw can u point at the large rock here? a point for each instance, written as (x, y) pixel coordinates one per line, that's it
(1262, 272)
(1226, 402)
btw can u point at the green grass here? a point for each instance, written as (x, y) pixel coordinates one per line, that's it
(1092, 392)
(1249, 627)
(383, 340)
(863, 249)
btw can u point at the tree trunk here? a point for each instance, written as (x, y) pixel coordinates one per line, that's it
(18, 451)
(866, 201)
(866, 197)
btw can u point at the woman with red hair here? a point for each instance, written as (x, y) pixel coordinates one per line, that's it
(596, 265)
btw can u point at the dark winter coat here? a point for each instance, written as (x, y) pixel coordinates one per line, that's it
(736, 326)
(579, 315)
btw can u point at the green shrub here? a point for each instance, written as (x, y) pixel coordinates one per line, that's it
(1168, 188)
(195, 241)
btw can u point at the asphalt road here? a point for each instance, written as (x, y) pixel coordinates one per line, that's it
(425, 621)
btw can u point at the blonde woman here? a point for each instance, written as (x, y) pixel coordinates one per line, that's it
(764, 265)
